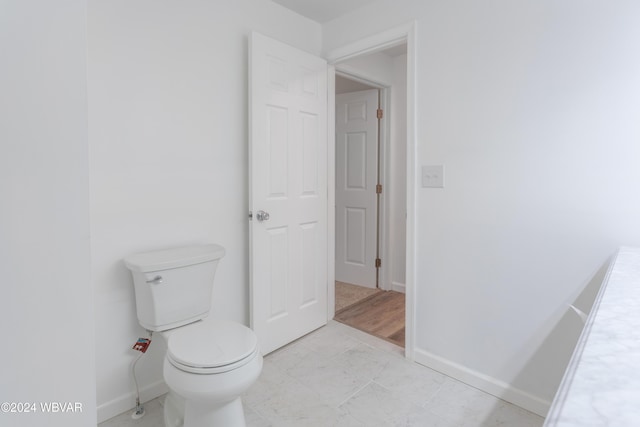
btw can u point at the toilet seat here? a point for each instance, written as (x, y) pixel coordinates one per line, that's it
(211, 347)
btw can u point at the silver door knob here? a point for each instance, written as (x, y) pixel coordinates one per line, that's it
(262, 216)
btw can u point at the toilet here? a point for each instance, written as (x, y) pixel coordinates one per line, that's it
(209, 362)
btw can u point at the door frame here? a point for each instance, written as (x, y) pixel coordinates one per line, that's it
(402, 34)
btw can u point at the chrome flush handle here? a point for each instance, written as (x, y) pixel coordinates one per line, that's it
(156, 280)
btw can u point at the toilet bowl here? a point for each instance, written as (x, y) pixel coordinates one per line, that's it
(208, 366)
(209, 362)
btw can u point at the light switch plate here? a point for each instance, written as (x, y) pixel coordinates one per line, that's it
(433, 176)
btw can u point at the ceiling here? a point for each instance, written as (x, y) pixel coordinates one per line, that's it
(323, 11)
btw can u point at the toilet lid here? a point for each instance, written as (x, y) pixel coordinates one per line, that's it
(211, 344)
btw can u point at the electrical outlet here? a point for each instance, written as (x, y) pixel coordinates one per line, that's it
(433, 176)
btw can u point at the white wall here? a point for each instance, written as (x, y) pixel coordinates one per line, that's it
(168, 156)
(533, 109)
(46, 305)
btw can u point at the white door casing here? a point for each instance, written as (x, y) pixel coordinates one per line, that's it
(288, 180)
(356, 179)
(405, 33)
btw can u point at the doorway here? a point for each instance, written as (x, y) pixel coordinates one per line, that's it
(371, 234)
(357, 183)
(404, 34)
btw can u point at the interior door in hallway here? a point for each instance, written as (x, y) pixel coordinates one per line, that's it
(288, 192)
(356, 180)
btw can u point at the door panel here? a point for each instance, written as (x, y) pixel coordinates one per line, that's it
(356, 236)
(356, 161)
(356, 179)
(288, 176)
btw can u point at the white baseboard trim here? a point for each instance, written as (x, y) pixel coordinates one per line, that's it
(398, 287)
(483, 382)
(127, 402)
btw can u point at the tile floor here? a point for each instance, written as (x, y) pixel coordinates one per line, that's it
(339, 376)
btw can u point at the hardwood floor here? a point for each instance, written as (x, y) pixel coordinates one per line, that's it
(381, 315)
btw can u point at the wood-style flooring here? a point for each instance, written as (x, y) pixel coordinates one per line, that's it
(381, 314)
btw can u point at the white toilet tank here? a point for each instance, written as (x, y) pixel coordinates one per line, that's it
(173, 286)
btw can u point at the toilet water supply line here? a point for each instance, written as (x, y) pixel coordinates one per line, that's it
(141, 345)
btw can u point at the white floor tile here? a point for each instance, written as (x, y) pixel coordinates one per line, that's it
(253, 419)
(154, 416)
(507, 415)
(339, 376)
(462, 404)
(333, 381)
(416, 383)
(375, 405)
(364, 361)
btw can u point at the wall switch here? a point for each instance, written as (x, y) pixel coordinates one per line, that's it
(433, 176)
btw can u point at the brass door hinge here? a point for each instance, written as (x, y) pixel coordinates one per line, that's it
(379, 113)
(378, 263)
(378, 188)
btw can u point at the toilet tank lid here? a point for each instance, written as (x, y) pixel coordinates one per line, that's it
(173, 258)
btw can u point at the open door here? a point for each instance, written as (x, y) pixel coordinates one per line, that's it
(356, 180)
(288, 191)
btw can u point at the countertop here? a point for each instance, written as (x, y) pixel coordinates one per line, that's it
(601, 386)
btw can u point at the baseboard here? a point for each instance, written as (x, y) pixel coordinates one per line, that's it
(127, 402)
(398, 287)
(483, 382)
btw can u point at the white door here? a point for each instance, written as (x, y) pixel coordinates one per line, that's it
(356, 179)
(288, 182)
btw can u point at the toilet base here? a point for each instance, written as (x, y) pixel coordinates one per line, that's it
(173, 410)
(208, 400)
(230, 414)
